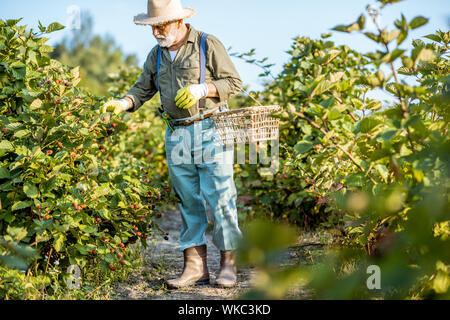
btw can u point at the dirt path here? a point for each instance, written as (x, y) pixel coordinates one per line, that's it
(163, 261)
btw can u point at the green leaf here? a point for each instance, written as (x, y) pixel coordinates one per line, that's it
(341, 28)
(334, 114)
(30, 190)
(55, 26)
(14, 262)
(58, 242)
(367, 124)
(16, 233)
(20, 205)
(4, 173)
(373, 36)
(403, 35)
(303, 147)
(383, 171)
(425, 55)
(395, 54)
(22, 133)
(418, 22)
(434, 37)
(36, 104)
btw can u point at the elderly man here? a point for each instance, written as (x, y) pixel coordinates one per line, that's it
(195, 77)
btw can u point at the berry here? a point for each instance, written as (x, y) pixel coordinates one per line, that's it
(5, 130)
(114, 125)
(99, 220)
(94, 251)
(107, 241)
(60, 144)
(136, 228)
(145, 236)
(124, 249)
(47, 217)
(306, 180)
(39, 207)
(58, 81)
(112, 268)
(138, 234)
(122, 262)
(49, 152)
(119, 255)
(122, 244)
(104, 237)
(111, 250)
(158, 215)
(166, 238)
(141, 220)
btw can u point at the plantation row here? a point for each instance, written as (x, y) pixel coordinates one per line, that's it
(376, 173)
(77, 188)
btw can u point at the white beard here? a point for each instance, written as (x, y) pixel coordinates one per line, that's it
(168, 41)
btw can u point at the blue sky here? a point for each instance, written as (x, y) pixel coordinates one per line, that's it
(267, 26)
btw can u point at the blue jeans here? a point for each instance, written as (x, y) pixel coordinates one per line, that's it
(201, 168)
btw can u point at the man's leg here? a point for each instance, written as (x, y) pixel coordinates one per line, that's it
(218, 187)
(186, 185)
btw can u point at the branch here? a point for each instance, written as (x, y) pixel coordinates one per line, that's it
(315, 125)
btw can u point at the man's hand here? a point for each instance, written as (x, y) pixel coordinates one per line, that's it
(189, 96)
(115, 106)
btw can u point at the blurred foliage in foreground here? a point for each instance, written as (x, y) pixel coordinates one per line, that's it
(377, 174)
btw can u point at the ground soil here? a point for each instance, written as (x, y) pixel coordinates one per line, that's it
(162, 260)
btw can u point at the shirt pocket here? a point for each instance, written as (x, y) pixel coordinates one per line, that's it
(188, 71)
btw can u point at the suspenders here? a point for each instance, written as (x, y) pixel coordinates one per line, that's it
(202, 67)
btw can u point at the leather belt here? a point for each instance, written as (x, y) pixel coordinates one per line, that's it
(184, 123)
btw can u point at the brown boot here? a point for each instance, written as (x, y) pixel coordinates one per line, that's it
(227, 274)
(195, 270)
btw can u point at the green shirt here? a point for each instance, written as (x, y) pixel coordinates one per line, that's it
(185, 70)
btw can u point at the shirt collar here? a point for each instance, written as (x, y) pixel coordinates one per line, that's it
(192, 33)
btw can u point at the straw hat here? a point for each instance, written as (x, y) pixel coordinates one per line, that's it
(163, 11)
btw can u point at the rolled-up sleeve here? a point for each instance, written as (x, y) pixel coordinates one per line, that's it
(144, 89)
(226, 78)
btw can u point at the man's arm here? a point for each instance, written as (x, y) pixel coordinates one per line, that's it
(144, 89)
(212, 91)
(227, 81)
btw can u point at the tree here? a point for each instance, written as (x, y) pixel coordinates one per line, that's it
(96, 55)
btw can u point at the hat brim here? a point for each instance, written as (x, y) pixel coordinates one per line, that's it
(144, 18)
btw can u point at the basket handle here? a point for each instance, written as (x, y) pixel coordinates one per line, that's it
(248, 94)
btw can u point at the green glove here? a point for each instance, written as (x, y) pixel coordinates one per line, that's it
(189, 96)
(114, 106)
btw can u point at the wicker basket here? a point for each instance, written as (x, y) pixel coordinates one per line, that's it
(247, 125)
